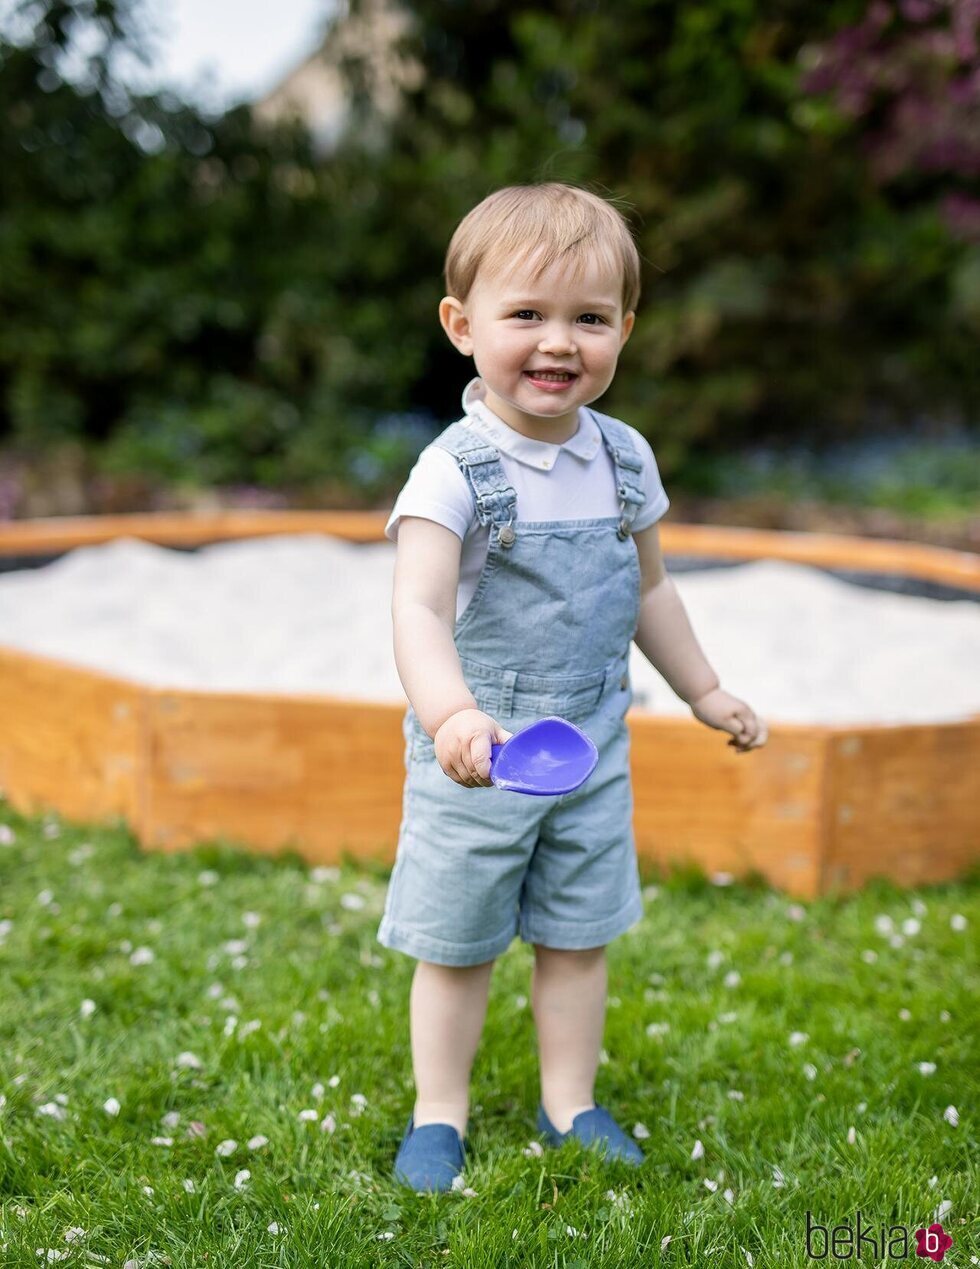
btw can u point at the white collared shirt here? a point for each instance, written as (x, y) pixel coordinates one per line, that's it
(571, 481)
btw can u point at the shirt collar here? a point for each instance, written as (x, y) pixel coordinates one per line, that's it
(585, 444)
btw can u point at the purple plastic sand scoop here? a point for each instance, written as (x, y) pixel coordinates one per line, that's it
(548, 757)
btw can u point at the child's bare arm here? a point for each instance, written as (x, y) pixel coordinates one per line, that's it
(423, 611)
(423, 614)
(665, 637)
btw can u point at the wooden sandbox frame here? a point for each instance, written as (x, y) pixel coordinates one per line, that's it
(819, 809)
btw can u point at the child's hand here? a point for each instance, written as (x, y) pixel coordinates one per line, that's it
(726, 712)
(463, 743)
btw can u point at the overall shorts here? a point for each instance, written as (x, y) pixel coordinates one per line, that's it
(547, 631)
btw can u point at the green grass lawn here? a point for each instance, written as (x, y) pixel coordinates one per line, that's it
(204, 1060)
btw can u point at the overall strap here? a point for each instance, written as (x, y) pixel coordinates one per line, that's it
(496, 499)
(628, 466)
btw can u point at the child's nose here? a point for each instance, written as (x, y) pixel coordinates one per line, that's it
(557, 341)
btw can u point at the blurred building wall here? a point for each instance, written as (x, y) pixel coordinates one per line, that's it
(315, 91)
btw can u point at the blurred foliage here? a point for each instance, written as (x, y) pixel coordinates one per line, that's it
(940, 479)
(196, 296)
(916, 84)
(786, 292)
(207, 299)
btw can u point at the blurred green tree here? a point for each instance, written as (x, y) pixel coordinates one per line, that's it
(785, 291)
(194, 295)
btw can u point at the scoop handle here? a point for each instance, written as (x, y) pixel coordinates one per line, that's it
(494, 750)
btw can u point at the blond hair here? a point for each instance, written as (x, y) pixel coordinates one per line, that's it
(559, 220)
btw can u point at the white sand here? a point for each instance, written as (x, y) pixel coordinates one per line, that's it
(311, 614)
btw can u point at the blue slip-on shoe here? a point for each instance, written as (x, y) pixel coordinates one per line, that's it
(595, 1127)
(429, 1157)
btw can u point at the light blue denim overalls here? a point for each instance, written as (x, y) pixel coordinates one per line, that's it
(547, 631)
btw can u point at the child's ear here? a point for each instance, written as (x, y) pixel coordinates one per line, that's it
(456, 324)
(628, 321)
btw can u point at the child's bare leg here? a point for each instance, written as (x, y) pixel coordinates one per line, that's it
(448, 1007)
(568, 995)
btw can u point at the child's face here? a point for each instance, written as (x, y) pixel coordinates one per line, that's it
(512, 326)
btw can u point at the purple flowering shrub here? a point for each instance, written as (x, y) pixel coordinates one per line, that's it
(910, 72)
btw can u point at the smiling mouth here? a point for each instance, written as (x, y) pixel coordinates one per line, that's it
(551, 376)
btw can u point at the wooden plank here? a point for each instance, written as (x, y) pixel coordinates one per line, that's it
(55, 534)
(325, 777)
(70, 739)
(817, 809)
(696, 801)
(903, 802)
(318, 775)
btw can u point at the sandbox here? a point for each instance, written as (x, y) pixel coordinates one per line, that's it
(821, 808)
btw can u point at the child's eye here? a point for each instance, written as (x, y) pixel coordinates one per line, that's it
(527, 312)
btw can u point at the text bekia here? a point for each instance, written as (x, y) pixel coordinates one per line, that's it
(857, 1239)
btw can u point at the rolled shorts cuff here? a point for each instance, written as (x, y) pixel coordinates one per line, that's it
(574, 935)
(440, 951)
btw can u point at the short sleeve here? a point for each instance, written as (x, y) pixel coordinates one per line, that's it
(656, 501)
(437, 490)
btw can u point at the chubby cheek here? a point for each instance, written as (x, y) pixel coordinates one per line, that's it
(519, 348)
(513, 361)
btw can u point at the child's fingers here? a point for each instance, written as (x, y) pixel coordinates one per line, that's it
(458, 772)
(751, 732)
(480, 758)
(470, 765)
(458, 766)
